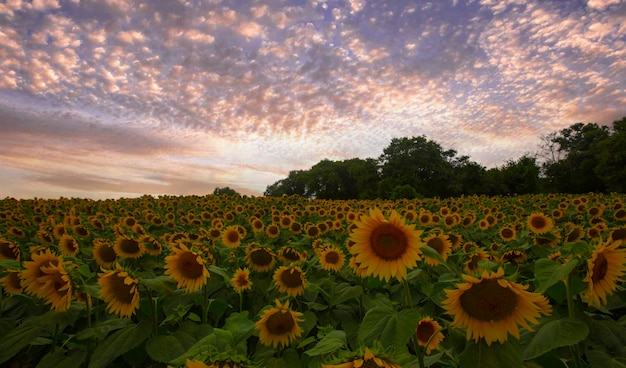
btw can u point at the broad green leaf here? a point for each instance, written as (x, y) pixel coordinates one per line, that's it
(400, 328)
(9, 264)
(67, 317)
(331, 342)
(164, 348)
(119, 343)
(374, 324)
(18, 338)
(101, 329)
(164, 285)
(344, 292)
(199, 348)
(58, 359)
(548, 272)
(496, 355)
(554, 334)
(599, 358)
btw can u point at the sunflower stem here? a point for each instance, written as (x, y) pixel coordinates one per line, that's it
(572, 314)
(241, 301)
(407, 293)
(153, 309)
(205, 298)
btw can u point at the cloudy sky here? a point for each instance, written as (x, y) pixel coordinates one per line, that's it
(119, 98)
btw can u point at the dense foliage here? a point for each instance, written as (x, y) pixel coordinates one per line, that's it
(578, 159)
(240, 282)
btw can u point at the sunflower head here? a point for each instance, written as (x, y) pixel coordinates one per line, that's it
(9, 250)
(539, 223)
(241, 280)
(12, 282)
(260, 259)
(290, 280)
(605, 270)
(187, 267)
(386, 248)
(332, 259)
(366, 359)
(441, 244)
(429, 334)
(491, 307)
(279, 325)
(127, 247)
(68, 246)
(120, 291)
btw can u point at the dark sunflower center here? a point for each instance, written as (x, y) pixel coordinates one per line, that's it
(436, 244)
(60, 283)
(232, 236)
(122, 291)
(261, 257)
(280, 323)
(14, 280)
(600, 266)
(332, 257)
(538, 222)
(371, 364)
(424, 331)
(292, 278)
(573, 235)
(388, 241)
(489, 301)
(107, 254)
(188, 265)
(473, 263)
(313, 231)
(291, 254)
(8, 251)
(130, 246)
(242, 280)
(71, 245)
(507, 233)
(619, 234)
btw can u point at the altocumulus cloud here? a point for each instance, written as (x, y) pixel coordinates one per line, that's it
(119, 98)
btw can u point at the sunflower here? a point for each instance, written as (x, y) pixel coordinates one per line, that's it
(290, 254)
(332, 259)
(441, 244)
(187, 268)
(241, 280)
(492, 307)
(56, 287)
(429, 334)
(128, 247)
(68, 246)
(9, 250)
(12, 282)
(34, 269)
(539, 223)
(104, 253)
(151, 245)
(605, 269)
(507, 233)
(618, 235)
(515, 256)
(260, 259)
(257, 225)
(290, 280)
(279, 325)
(312, 231)
(574, 234)
(471, 265)
(272, 231)
(367, 360)
(386, 248)
(120, 291)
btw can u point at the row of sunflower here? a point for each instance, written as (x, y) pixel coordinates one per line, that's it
(223, 281)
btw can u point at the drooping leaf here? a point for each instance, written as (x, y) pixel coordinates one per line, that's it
(164, 348)
(548, 272)
(18, 338)
(480, 355)
(331, 342)
(120, 342)
(554, 334)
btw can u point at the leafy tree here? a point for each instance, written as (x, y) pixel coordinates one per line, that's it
(225, 191)
(579, 144)
(294, 183)
(611, 158)
(420, 163)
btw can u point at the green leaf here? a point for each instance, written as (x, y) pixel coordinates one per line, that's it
(164, 285)
(374, 323)
(164, 348)
(331, 342)
(58, 359)
(101, 329)
(548, 272)
(432, 253)
(119, 343)
(18, 338)
(496, 355)
(10, 264)
(554, 334)
(199, 348)
(344, 292)
(240, 326)
(599, 358)
(400, 328)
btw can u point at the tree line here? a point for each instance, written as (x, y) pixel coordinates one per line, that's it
(579, 159)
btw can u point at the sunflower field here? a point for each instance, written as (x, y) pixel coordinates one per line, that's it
(229, 281)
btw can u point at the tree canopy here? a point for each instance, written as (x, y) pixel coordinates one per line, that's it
(578, 159)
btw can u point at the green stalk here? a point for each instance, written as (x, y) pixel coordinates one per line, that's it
(572, 314)
(409, 302)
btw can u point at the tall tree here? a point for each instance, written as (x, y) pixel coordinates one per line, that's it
(579, 145)
(420, 163)
(611, 157)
